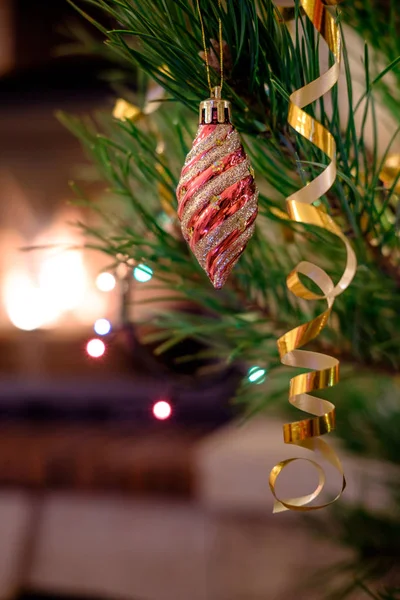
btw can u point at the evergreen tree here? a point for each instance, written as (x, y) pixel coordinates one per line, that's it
(140, 157)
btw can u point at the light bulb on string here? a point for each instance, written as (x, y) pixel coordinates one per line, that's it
(256, 374)
(142, 273)
(105, 282)
(162, 410)
(102, 326)
(95, 348)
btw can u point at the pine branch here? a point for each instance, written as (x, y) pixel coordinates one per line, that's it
(264, 64)
(259, 94)
(242, 322)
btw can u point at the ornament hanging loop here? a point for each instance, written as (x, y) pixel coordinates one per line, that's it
(221, 49)
(215, 110)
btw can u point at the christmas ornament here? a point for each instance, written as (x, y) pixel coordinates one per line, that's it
(323, 369)
(217, 195)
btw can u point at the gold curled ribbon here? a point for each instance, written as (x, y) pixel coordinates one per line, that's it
(324, 369)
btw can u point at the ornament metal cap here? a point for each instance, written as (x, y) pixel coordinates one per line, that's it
(215, 110)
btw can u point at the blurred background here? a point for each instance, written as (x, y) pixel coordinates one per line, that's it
(122, 474)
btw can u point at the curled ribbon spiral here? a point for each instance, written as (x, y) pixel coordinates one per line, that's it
(324, 369)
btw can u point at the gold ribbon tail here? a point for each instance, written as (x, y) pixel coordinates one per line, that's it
(323, 369)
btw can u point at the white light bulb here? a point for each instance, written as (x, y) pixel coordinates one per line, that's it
(162, 410)
(105, 282)
(102, 326)
(95, 348)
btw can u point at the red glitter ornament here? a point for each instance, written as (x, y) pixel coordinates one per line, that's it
(217, 194)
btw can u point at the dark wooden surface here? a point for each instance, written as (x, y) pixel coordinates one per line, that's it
(98, 458)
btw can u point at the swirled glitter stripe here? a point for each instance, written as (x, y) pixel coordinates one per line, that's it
(217, 199)
(324, 369)
(201, 162)
(233, 226)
